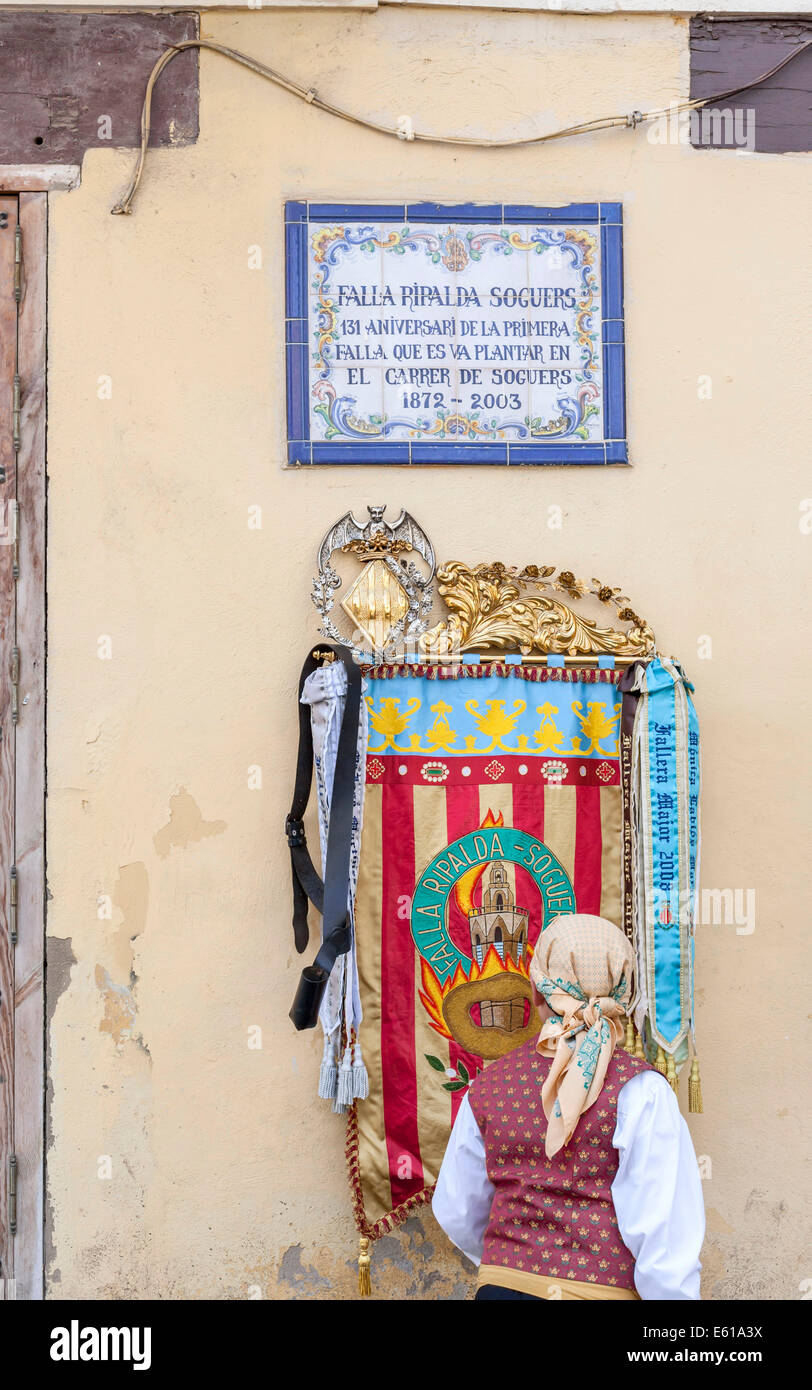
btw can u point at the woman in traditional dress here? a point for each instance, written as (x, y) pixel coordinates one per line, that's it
(570, 1172)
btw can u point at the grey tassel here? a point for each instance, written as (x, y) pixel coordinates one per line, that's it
(328, 1072)
(344, 1092)
(360, 1079)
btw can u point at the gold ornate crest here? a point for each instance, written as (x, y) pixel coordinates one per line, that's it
(494, 606)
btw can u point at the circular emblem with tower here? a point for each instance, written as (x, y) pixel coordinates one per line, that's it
(467, 899)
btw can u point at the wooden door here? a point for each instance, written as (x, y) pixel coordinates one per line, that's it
(23, 221)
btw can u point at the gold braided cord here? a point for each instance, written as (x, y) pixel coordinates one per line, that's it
(475, 142)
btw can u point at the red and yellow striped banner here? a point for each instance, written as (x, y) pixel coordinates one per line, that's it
(466, 855)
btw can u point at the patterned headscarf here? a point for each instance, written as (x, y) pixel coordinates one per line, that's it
(583, 966)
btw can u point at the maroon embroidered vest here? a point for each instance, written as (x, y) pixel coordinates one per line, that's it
(551, 1216)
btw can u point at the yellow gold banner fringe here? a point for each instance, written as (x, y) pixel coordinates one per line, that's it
(695, 1089)
(671, 1074)
(660, 1063)
(364, 1276)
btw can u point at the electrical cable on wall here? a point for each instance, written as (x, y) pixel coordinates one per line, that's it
(405, 129)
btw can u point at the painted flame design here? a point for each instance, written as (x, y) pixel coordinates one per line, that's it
(467, 882)
(433, 993)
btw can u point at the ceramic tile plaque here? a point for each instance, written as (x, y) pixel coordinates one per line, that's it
(425, 334)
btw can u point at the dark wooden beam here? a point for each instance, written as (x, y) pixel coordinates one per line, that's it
(72, 82)
(727, 52)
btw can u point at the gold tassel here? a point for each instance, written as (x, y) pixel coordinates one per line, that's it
(638, 1046)
(364, 1277)
(660, 1063)
(695, 1089)
(628, 1041)
(671, 1074)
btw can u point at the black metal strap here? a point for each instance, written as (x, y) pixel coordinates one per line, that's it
(330, 897)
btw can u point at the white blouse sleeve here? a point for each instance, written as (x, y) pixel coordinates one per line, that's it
(657, 1193)
(464, 1193)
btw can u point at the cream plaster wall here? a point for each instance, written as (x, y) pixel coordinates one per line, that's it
(227, 1175)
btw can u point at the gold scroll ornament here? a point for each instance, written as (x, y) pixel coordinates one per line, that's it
(499, 607)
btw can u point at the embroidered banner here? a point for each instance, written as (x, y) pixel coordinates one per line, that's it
(666, 784)
(493, 803)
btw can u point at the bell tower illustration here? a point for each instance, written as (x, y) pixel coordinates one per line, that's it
(502, 924)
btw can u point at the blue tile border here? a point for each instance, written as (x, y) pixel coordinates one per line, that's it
(614, 412)
(557, 453)
(359, 453)
(454, 212)
(374, 212)
(613, 331)
(298, 381)
(298, 452)
(458, 453)
(572, 212)
(302, 451)
(612, 267)
(295, 270)
(296, 330)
